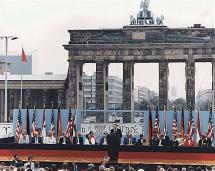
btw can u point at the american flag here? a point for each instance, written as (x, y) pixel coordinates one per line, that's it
(52, 121)
(18, 126)
(191, 124)
(34, 121)
(210, 125)
(70, 124)
(156, 125)
(175, 122)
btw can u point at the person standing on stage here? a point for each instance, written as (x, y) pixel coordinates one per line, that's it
(116, 130)
(36, 139)
(64, 139)
(78, 139)
(50, 139)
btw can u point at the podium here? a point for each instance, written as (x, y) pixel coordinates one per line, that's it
(113, 142)
(113, 139)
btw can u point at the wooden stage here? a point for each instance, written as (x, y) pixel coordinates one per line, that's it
(95, 154)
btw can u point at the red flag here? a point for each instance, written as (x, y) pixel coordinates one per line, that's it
(24, 59)
(149, 131)
(59, 127)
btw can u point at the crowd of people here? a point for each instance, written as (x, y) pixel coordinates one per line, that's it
(160, 139)
(31, 165)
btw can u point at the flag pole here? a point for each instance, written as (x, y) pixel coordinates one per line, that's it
(21, 92)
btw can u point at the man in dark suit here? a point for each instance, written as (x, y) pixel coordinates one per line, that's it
(36, 139)
(64, 139)
(164, 140)
(141, 141)
(174, 142)
(129, 140)
(78, 139)
(154, 141)
(207, 141)
(116, 130)
(16, 162)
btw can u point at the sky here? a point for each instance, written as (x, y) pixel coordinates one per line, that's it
(42, 25)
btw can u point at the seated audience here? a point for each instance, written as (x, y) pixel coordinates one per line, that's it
(188, 142)
(74, 167)
(50, 139)
(29, 164)
(24, 138)
(129, 140)
(78, 139)
(64, 139)
(36, 139)
(103, 140)
(141, 141)
(174, 142)
(16, 161)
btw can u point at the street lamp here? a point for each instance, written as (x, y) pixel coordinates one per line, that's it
(6, 49)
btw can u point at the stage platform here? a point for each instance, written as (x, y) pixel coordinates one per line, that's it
(95, 154)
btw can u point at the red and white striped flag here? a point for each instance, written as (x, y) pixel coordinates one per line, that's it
(210, 125)
(18, 126)
(175, 122)
(156, 125)
(191, 124)
(70, 124)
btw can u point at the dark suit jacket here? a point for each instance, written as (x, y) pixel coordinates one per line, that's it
(40, 140)
(139, 142)
(154, 142)
(67, 140)
(126, 140)
(75, 140)
(165, 141)
(174, 143)
(16, 163)
(118, 131)
(207, 142)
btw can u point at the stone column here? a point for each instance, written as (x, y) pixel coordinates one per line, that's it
(102, 90)
(60, 97)
(190, 82)
(1, 105)
(213, 84)
(128, 90)
(11, 104)
(75, 84)
(163, 84)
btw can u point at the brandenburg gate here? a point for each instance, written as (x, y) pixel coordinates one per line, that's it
(145, 40)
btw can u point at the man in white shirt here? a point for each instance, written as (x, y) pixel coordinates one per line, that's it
(24, 138)
(29, 164)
